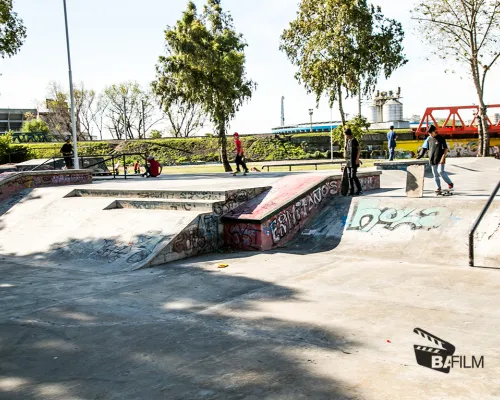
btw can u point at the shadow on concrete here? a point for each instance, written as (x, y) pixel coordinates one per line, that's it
(17, 198)
(164, 333)
(324, 232)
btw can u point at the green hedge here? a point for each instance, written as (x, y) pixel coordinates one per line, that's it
(200, 149)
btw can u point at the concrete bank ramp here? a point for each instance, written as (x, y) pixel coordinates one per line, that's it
(114, 230)
(428, 230)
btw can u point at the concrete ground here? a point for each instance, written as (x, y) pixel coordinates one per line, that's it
(278, 325)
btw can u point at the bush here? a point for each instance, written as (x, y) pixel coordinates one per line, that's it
(35, 126)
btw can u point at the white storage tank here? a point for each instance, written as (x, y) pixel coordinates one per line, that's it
(496, 118)
(393, 111)
(374, 118)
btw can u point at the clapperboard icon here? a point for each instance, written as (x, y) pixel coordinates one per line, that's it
(425, 354)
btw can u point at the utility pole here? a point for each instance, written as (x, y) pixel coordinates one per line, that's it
(282, 111)
(125, 116)
(359, 99)
(143, 120)
(311, 118)
(76, 163)
(331, 132)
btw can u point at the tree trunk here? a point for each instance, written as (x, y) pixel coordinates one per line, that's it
(482, 117)
(223, 149)
(486, 135)
(341, 106)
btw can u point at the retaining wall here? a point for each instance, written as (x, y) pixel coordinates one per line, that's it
(13, 182)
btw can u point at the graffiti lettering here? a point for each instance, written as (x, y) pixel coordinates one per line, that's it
(291, 217)
(367, 216)
(244, 235)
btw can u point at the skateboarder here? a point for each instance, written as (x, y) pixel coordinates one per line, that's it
(438, 149)
(352, 153)
(239, 155)
(391, 142)
(67, 152)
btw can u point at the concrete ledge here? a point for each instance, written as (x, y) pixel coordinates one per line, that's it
(272, 219)
(400, 165)
(11, 183)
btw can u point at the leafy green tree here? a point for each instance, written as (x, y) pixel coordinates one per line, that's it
(5, 144)
(205, 65)
(359, 126)
(339, 44)
(155, 134)
(465, 32)
(35, 126)
(12, 30)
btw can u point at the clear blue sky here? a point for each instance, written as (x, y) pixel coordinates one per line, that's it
(117, 40)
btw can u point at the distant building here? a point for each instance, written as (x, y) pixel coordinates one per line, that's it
(12, 119)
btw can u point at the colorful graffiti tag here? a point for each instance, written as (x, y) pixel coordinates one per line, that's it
(368, 215)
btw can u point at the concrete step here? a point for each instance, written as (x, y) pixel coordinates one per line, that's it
(186, 195)
(169, 204)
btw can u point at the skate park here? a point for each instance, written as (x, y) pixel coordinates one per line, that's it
(318, 295)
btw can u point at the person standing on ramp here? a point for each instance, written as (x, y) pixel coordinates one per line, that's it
(438, 149)
(391, 142)
(352, 154)
(239, 155)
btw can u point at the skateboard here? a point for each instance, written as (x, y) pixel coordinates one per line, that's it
(445, 192)
(344, 184)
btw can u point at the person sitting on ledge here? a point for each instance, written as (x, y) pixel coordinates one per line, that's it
(153, 168)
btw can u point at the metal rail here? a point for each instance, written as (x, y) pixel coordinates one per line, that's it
(46, 162)
(476, 224)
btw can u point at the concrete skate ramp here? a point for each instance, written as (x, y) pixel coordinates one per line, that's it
(48, 229)
(428, 230)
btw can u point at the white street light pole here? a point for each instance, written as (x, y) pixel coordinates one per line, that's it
(331, 133)
(71, 94)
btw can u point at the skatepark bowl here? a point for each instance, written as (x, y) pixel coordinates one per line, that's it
(269, 286)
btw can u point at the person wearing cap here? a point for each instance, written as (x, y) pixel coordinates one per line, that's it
(153, 168)
(67, 152)
(438, 150)
(239, 155)
(352, 154)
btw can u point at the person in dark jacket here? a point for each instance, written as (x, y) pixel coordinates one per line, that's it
(391, 142)
(352, 154)
(67, 152)
(438, 149)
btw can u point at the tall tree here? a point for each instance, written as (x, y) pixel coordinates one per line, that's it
(185, 120)
(12, 30)
(339, 44)
(205, 65)
(58, 116)
(128, 100)
(84, 108)
(466, 32)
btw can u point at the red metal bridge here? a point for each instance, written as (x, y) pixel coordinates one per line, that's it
(454, 124)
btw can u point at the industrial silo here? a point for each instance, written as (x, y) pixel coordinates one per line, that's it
(393, 111)
(374, 116)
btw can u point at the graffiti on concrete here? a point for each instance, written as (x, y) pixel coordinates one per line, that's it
(143, 246)
(368, 215)
(235, 198)
(243, 235)
(200, 237)
(31, 180)
(290, 218)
